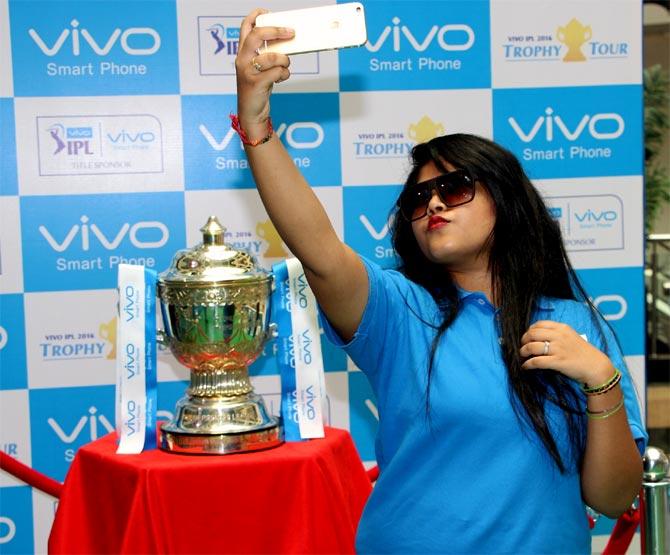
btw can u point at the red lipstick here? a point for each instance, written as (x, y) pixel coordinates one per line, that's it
(435, 222)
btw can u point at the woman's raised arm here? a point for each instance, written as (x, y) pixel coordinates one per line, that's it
(335, 272)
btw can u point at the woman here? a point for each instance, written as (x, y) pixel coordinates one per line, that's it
(504, 403)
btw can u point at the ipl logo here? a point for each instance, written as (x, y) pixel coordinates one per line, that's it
(224, 39)
(218, 41)
(56, 131)
(77, 140)
(574, 35)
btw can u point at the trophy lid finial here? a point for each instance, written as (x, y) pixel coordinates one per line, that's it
(213, 232)
(212, 261)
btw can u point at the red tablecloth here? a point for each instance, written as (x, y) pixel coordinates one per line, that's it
(297, 498)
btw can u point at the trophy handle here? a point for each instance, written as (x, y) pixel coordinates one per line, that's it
(588, 33)
(162, 338)
(560, 34)
(273, 331)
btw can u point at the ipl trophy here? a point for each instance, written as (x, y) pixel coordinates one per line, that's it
(215, 305)
(573, 35)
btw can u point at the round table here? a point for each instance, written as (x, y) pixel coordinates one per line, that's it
(304, 497)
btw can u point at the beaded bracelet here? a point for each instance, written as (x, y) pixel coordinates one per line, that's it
(235, 124)
(605, 387)
(602, 414)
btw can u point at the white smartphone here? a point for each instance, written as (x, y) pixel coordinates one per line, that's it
(316, 29)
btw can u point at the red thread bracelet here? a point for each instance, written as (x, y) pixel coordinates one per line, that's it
(235, 124)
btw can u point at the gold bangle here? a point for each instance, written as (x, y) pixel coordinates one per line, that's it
(602, 414)
(609, 387)
(602, 388)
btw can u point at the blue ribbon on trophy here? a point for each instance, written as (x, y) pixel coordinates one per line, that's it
(299, 353)
(136, 376)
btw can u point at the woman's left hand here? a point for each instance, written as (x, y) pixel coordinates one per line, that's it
(556, 346)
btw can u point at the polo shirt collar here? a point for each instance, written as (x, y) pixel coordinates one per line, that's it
(542, 303)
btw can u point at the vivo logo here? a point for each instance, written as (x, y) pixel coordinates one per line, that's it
(292, 406)
(85, 231)
(3, 338)
(130, 363)
(591, 216)
(291, 351)
(378, 235)
(100, 48)
(550, 122)
(92, 420)
(453, 43)
(79, 132)
(312, 129)
(306, 347)
(133, 417)
(309, 403)
(124, 137)
(288, 305)
(302, 287)
(620, 303)
(129, 304)
(8, 535)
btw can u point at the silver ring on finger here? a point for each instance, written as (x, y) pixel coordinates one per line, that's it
(258, 67)
(545, 352)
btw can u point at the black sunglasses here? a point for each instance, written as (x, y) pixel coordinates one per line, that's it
(453, 188)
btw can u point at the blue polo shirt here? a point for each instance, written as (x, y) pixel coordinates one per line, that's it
(475, 480)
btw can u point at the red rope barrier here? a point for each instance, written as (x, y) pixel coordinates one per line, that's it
(623, 533)
(29, 476)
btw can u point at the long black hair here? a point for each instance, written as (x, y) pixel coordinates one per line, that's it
(527, 260)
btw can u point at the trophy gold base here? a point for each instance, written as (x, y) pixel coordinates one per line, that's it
(221, 426)
(221, 444)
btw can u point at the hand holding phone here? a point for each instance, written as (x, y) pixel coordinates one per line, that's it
(317, 29)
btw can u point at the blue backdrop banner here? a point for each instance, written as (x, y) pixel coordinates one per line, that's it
(116, 146)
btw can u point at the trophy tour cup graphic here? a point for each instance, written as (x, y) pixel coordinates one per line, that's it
(425, 130)
(107, 331)
(266, 231)
(574, 35)
(215, 303)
